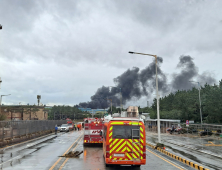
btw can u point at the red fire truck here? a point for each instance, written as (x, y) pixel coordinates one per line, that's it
(93, 127)
(70, 124)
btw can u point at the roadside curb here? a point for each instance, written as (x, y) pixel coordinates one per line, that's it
(187, 162)
(195, 149)
(218, 156)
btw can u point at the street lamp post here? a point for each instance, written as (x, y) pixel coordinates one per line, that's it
(1, 101)
(199, 101)
(0, 82)
(157, 94)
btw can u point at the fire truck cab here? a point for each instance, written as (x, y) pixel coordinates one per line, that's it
(124, 141)
(93, 127)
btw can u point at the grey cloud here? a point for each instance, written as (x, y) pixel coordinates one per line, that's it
(72, 33)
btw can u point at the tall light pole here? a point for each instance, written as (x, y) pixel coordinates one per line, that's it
(199, 100)
(1, 101)
(0, 82)
(157, 94)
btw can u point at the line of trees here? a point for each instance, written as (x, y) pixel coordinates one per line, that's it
(184, 105)
(63, 112)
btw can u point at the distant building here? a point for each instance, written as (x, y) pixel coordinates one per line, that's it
(24, 112)
(92, 110)
(132, 111)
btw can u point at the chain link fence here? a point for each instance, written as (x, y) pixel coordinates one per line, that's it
(11, 129)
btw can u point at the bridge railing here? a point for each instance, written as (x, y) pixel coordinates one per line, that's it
(11, 129)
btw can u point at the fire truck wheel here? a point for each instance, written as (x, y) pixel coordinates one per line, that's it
(137, 166)
(107, 165)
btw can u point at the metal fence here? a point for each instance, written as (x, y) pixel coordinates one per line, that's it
(10, 129)
(197, 127)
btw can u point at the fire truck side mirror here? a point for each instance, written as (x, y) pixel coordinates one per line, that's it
(100, 133)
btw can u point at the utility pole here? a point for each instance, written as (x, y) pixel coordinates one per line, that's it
(121, 101)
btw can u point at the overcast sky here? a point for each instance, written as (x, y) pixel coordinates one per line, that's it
(65, 50)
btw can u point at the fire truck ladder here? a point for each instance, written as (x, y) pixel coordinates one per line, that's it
(135, 135)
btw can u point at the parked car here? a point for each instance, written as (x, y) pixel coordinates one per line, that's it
(206, 132)
(59, 127)
(64, 128)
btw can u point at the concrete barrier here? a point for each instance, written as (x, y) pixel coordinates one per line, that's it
(191, 164)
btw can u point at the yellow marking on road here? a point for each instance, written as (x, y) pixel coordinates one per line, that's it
(68, 158)
(212, 144)
(164, 159)
(53, 166)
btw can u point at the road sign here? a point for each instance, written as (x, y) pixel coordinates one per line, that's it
(187, 123)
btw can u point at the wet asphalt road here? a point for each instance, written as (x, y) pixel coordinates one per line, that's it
(191, 148)
(44, 154)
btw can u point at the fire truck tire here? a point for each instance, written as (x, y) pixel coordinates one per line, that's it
(107, 165)
(137, 166)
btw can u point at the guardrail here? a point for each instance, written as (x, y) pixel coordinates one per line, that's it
(185, 161)
(16, 129)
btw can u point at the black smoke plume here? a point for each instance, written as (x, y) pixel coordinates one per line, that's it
(189, 72)
(132, 83)
(135, 83)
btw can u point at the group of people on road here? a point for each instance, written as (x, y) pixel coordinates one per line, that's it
(77, 126)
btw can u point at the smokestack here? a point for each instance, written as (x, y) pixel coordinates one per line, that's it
(38, 97)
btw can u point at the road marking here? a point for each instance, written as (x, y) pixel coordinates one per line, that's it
(53, 166)
(68, 158)
(168, 161)
(212, 144)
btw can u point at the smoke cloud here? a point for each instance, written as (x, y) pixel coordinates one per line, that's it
(134, 83)
(189, 72)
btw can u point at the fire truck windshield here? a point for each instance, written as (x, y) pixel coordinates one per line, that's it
(125, 132)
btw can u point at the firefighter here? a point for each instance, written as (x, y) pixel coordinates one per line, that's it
(75, 127)
(78, 126)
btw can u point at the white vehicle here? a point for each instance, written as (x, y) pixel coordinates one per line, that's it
(64, 128)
